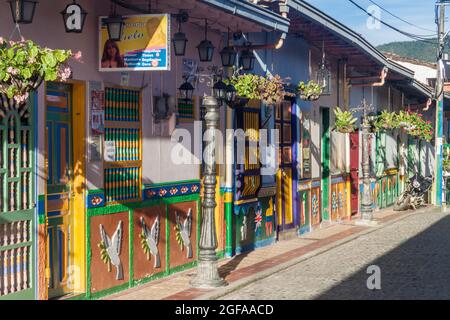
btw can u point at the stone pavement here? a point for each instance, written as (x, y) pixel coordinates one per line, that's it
(413, 256)
(251, 275)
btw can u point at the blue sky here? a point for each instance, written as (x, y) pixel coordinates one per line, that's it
(418, 12)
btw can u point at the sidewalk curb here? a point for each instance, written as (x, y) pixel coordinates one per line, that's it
(218, 293)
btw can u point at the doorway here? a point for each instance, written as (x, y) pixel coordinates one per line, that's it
(65, 209)
(283, 123)
(325, 112)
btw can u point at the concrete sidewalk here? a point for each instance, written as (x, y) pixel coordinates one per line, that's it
(260, 263)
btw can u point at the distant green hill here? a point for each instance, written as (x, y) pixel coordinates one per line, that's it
(413, 49)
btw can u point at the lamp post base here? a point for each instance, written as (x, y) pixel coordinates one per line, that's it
(207, 276)
(366, 223)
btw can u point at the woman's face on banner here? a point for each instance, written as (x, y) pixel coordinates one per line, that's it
(112, 51)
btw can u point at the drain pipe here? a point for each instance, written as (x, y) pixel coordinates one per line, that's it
(284, 11)
(380, 83)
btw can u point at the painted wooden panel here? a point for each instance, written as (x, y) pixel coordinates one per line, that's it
(182, 233)
(17, 197)
(149, 241)
(316, 214)
(109, 271)
(254, 224)
(338, 200)
(305, 209)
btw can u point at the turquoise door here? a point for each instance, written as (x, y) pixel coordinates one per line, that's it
(17, 203)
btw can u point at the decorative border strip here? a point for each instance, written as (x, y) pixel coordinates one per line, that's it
(168, 191)
(336, 180)
(267, 192)
(41, 209)
(95, 199)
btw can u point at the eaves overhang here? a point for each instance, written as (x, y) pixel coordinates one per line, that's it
(244, 9)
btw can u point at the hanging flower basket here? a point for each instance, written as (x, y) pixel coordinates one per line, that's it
(23, 67)
(310, 91)
(313, 97)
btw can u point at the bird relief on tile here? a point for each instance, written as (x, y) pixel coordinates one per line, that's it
(110, 249)
(183, 232)
(150, 241)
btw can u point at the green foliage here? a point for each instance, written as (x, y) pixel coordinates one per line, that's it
(24, 64)
(270, 90)
(386, 121)
(411, 122)
(309, 91)
(345, 121)
(421, 50)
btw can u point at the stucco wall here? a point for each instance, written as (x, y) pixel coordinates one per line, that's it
(47, 29)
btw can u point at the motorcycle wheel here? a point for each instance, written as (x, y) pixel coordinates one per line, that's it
(403, 203)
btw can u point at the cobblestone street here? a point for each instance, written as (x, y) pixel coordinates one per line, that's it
(413, 254)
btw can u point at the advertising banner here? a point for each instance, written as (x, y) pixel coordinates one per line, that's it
(145, 44)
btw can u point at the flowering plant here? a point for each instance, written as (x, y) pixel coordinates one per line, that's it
(24, 65)
(309, 91)
(269, 89)
(421, 128)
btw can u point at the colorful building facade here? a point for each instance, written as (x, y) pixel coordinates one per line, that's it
(90, 207)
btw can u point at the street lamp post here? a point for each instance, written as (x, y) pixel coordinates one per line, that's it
(367, 200)
(366, 203)
(207, 272)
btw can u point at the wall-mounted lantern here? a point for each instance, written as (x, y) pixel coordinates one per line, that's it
(323, 75)
(179, 39)
(23, 10)
(74, 17)
(220, 90)
(115, 24)
(247, 60)
(228, 56)
(205, 48)
(186, 91)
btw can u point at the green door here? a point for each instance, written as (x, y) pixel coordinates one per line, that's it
(413, 156)
(325, 162)
(17, 203)
(59, 187)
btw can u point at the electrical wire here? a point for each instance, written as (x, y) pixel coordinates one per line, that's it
(407, 34)
(399, 18)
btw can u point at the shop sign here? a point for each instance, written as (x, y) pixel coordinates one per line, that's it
(145, 44)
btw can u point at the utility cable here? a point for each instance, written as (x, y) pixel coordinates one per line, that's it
(399, 18)
(407, 34)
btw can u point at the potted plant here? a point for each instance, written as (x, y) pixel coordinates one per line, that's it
(386, 121)
(345, 121)
(310, 91)
(23, 67)
(247, 87)
(270, 90)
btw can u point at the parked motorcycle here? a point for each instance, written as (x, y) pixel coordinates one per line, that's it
(413, 196)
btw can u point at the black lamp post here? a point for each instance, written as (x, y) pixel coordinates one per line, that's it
(74, 17)
(179, 39)
(186, 91)
(205, 48)
(228, 56)
(22, 10)
(247, 60)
